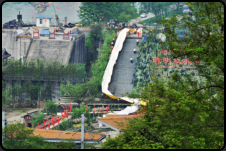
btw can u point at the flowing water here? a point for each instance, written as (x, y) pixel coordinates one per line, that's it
(10, 10)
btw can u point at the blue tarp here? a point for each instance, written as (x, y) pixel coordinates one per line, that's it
(44, 32)
(145, 37)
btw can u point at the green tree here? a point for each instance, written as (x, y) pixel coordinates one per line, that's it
(97, 11)
(23, 139)
(38, 120)
(47, 92)
(51, 107)
(6, 96)
(178, 115)
(78, 92)
(26, 140)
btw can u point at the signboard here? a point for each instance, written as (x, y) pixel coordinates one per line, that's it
(12, 58)
(175, 61)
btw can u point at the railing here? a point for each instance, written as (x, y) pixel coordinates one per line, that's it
(43, 78)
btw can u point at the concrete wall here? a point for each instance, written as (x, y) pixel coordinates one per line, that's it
(65, 51)
(15, 48)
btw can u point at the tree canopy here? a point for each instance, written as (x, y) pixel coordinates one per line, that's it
(183, 115)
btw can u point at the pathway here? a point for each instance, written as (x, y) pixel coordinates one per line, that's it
(123, 70)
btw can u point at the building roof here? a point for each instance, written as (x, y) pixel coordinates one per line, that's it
(30, 114)
(112, 119)
(44, 17)
(55, 134)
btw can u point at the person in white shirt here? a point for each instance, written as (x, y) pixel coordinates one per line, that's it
(131, 59)
(134, 50)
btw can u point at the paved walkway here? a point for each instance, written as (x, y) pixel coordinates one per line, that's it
(14, 119)
(150, 15)
(123, 70)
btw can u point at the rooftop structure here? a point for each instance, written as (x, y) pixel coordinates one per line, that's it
(57, 135)
(43, 21)
(111, 121)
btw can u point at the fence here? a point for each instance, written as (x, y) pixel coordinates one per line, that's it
(43, 79)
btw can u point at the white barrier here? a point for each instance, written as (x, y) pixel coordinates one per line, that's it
(109, 69)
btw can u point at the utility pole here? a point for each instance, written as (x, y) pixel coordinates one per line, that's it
(82, 132)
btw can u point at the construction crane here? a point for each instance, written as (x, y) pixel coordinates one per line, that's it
(57, 20)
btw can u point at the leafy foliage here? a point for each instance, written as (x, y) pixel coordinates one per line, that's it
(38, 119)
(26, 140)
(51, 68)
(51, 107)
(181, 115)
(76, 113)
(78, 92)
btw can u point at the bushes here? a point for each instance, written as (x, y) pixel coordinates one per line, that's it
(51, 107)
(97, 69)
(38, 120)
(51, 68)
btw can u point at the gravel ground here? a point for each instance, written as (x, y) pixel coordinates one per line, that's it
(15, 116)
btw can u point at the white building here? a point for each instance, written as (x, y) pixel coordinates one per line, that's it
(43, 21)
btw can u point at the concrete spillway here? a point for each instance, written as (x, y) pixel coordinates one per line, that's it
(47, 50)
(65, 51)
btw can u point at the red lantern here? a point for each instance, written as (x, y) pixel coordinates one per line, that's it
(26, 124)
(55, 115)
(133, 113)
(41, 127)
(33, 126)
(61, 113)
(58, 120)
(99, 131)
(38, 124)
(52, 118)
(49, 125)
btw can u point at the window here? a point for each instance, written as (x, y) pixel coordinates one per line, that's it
(40, 21)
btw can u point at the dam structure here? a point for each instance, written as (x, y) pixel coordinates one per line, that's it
(21, 43)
